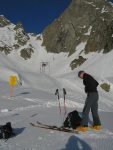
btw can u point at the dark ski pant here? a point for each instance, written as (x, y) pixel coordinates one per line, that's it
(91, 103)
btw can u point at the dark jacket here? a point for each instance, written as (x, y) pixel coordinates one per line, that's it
(90, 83)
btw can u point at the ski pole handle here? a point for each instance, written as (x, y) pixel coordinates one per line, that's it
(64, 93)
(57, 93)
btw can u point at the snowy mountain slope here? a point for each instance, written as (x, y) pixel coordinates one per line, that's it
(57, 73)
(7, 36)
(57, 64)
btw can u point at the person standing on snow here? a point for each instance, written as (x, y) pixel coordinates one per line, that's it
(90, 103)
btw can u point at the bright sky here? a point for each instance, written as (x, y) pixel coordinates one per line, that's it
(34, 14)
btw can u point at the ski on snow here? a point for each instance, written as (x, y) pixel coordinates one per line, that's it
(51, 127)
(63, 129)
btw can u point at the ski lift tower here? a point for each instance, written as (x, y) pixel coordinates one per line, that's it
(44, 67)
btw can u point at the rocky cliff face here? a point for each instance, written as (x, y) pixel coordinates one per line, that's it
(21, 36)
(4, 22)
(89, 21)
(14, 38)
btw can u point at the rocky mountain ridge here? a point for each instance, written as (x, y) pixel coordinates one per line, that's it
(88, 21)
(14, 38)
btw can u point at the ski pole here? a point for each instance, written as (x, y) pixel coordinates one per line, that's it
(64, 93)
(57, 93)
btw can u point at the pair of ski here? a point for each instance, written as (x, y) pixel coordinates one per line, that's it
(50, 127)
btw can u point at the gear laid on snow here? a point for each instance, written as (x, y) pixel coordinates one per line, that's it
(50, 127)
(73, 120)
(6, 131)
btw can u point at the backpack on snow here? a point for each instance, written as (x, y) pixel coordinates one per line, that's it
(73, 120)
(6, 131)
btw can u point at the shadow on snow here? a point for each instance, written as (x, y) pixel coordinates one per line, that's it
(75, 143)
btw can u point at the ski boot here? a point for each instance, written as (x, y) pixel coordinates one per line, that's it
(96, 127)
(82, 129)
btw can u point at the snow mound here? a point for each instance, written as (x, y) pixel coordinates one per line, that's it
(4, 110)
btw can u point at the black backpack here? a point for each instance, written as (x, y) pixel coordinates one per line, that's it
(6, 131)
(73, 120)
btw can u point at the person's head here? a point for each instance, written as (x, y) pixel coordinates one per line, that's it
(81, 74)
